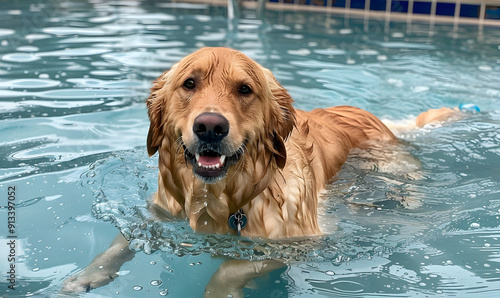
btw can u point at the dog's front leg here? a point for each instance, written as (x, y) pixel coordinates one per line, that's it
(102, 270)
(233, 275)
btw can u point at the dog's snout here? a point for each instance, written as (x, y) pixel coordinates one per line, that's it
(211, 127)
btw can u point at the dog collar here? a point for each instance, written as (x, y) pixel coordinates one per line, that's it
(237, 221)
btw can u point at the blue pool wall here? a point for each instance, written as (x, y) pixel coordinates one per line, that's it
(443, 8)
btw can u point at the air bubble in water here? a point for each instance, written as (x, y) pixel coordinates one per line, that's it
(137, 288)
(164, 292)
(156, 282)
(329, 272)
(475, 225)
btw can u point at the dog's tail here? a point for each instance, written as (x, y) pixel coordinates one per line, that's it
(435, 116)
(432, 116)
(445, 114)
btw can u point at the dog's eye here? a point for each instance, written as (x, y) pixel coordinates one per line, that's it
(245, 89)
(189, 84)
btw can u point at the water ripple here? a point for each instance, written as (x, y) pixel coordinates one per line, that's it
(71, 94)
(5, 32)
(74, 52)
(65, 31)
(29, 83)
(97, 83)
(406, 45)
(20, 57)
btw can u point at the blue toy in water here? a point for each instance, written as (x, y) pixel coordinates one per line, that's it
(469, 108)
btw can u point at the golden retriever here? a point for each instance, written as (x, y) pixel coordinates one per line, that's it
(231, 143)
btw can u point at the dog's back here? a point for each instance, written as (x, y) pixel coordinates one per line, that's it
(316, 150)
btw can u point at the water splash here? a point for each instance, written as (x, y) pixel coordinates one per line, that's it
(373, 209)
(124, 183)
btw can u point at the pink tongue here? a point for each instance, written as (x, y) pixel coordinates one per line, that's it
(209, 160)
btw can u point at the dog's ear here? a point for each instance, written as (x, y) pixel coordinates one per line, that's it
(279, 151)
(283, 125)
(156, 104)
(281, 119)
(284, 120)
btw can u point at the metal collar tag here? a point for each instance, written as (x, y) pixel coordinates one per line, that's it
(237, 221)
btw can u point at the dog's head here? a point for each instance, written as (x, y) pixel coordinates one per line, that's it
(215, 106)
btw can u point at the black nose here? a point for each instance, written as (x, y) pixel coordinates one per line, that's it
(211, 127)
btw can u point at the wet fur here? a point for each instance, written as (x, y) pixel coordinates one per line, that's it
(288, 154)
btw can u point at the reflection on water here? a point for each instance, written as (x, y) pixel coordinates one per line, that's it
(73, 79)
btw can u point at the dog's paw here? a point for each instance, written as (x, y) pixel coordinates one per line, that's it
(90, 278)
(233, 275)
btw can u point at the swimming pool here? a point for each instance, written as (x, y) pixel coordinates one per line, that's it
(73, 79)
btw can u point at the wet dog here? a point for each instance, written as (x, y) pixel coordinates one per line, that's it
(236, 157)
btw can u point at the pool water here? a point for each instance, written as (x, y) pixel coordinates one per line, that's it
(74, 76)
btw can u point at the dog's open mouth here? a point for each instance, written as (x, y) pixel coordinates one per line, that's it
(210, 160)
(210, 165)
